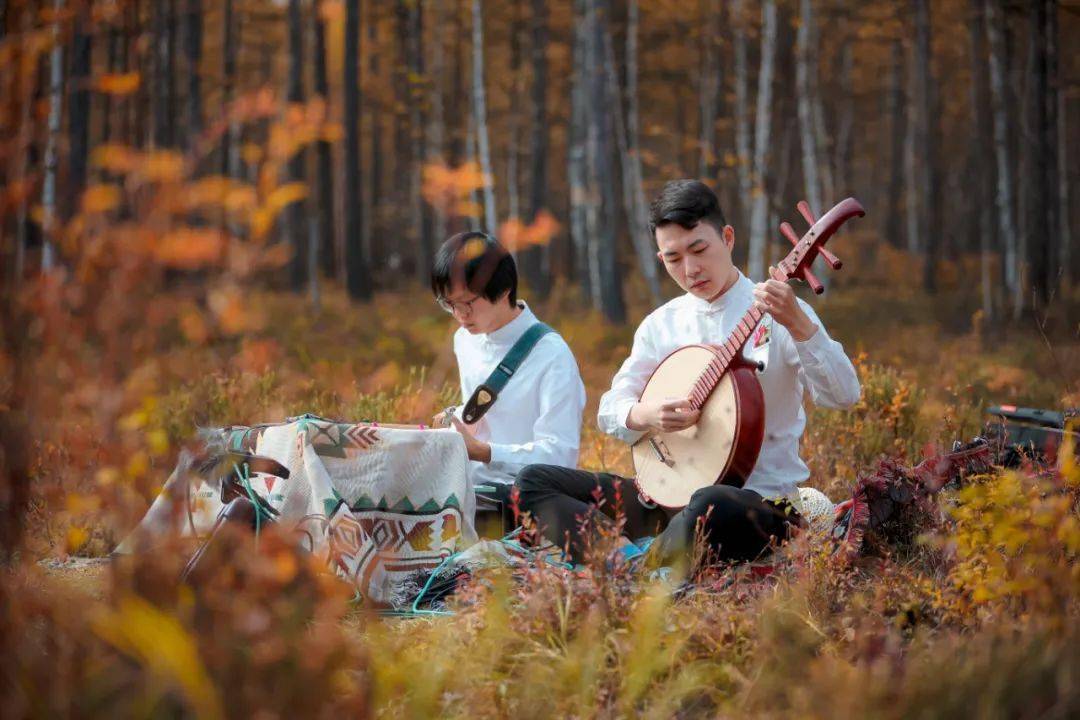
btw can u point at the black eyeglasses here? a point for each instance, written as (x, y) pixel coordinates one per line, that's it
(464, 307)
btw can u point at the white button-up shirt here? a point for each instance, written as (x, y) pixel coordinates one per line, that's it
(818, 364)
(537, 417)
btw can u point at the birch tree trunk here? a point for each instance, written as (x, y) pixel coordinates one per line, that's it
(805, 58)
(742, 108)
(1002, 154)
(763, 120)
(480, 112)
(52, 157)
(626, 136)
(576, 154)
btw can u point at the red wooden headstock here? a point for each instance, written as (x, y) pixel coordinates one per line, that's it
(809, 246)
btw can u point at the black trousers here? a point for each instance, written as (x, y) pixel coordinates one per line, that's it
(736, 524)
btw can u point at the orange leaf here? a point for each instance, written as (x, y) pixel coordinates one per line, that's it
(118, 84)
(189, 248)
(100, 198)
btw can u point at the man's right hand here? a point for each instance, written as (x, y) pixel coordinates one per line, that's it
(667, 416)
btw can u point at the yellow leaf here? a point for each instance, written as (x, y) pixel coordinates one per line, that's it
(76, 538)
(159, 643)
(285, 195)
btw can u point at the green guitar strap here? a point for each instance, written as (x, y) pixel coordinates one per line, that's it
(488, 392)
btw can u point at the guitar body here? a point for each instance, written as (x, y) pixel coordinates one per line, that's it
(721, 447)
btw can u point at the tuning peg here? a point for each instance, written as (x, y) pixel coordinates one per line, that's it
(812, 281)
(804, 209)
(828, 257)
(789, 232)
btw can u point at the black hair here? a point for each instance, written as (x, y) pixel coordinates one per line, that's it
(479, 262)
(686, 203)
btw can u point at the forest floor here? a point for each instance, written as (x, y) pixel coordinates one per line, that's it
(977, 615)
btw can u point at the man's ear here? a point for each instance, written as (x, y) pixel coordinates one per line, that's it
(729, 236)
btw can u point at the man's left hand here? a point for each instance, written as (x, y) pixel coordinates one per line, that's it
(477, 449)
(777, 298)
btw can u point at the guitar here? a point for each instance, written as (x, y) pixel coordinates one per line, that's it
(723, 446)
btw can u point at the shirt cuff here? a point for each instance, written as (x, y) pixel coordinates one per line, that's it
(502, 454)
(621, 431)
(814, 346)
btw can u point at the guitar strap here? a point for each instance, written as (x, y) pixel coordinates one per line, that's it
(488, 392)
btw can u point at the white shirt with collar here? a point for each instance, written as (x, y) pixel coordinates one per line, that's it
(537, 417)
(818, 365)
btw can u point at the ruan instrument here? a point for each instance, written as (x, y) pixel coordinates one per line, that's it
(723, 446)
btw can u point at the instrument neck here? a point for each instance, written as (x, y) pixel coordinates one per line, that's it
(726, 355)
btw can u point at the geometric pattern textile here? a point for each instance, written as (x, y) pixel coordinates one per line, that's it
(376, 503)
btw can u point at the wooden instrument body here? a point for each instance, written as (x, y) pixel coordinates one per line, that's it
(721, 447)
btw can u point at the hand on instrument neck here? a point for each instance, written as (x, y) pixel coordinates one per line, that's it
(777, 298)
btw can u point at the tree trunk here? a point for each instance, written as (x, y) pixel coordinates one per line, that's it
(1002, 151)
(576, 153)
(709, 92)
(759, 216)
(296, 227)
(513, 148)
(1064, 218)
(419, 217)
(50, 220)
(1041, 144)
(805, 59)
(742, 112)
(536, 261)
(79, 108)
(480, 113)
(230, 166)
(608, 278)
(193, 32)
(980, 149)
(324, 190)
(926, 177)
(371, 199)
(163, 82)
(436, 127)
(637, 218)
(898, 128)
(357, 278)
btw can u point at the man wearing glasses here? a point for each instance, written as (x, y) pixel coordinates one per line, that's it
(535, 416)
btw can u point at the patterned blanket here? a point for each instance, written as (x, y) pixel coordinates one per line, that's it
(377, 503)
